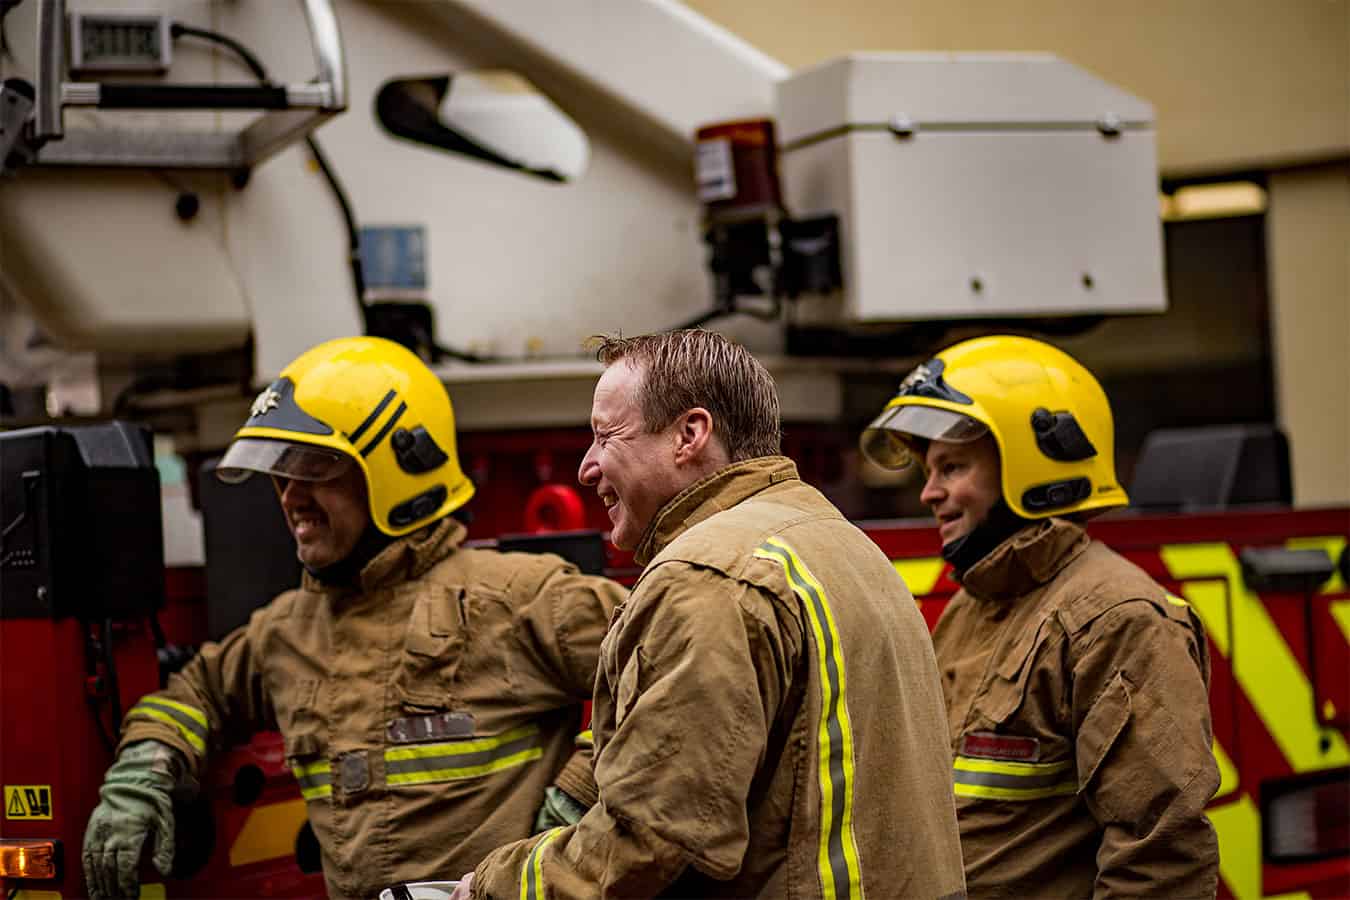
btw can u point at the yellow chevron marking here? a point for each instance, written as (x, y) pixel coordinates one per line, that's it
(920, 575)
(1209, 599)
(1340, 611)
(152, 892)
(1239, 827)
(1266, 668)
(1333, 545)
(1228, 773)
(268, 833)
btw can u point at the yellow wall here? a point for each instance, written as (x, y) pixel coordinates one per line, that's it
(1309, 242)
(1237, 85)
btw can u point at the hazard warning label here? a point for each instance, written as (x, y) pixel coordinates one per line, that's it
(28, 801)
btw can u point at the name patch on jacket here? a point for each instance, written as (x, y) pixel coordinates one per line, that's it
(986, 745)
(432, 727)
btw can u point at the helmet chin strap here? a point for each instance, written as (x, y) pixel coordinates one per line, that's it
(997, 526)
(347, 571)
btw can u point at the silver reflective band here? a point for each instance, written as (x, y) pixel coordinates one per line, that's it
(285, 459)
(885, 443)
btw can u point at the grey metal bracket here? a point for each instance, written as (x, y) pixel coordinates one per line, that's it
(286, 113)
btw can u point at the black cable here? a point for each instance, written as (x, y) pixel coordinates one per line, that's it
(439, 351)
(178, 29)
(92, 651)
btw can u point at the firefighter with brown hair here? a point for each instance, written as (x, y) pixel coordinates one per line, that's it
(768, 717)
(1076, 686)
(428, 694)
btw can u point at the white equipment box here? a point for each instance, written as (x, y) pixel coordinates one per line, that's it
(976, 185)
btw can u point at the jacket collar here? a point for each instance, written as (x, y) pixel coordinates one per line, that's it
(1025, 561)
(711, 494)
(405, 559)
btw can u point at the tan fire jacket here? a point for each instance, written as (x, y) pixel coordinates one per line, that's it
(423, 715)
(1077, 694)
(768, 717)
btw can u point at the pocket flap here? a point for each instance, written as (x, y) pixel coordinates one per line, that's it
(303, 744)
(1102, 727)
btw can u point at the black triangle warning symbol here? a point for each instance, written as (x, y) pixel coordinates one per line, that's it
(16, 809)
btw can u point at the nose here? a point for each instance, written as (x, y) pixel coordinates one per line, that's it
(589, 472)
(932, 492)
(290, 491)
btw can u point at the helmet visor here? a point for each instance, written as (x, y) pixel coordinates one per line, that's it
(889, 440)
(302, 462)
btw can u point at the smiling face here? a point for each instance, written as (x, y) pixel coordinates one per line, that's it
(326, 518)
(634, 471)
(963, 484)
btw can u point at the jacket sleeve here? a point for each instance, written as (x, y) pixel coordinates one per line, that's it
(699, 670)
(215, 700)
(1146, 766)
(562, 617)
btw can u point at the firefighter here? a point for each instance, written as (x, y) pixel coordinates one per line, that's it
(768, 715)
(1076, 686)
(428, 694)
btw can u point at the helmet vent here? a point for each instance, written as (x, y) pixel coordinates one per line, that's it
(416, 451)
(423, 506)
(1056, 494)
(1059, 436)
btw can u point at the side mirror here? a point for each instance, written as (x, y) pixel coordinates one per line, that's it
(496, 116)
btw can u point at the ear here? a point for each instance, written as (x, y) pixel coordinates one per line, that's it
(693, 437)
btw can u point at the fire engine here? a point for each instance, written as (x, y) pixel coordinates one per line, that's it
(175, 225)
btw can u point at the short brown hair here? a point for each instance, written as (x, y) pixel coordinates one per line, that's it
(685, 369)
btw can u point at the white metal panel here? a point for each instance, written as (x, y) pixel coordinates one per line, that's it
(659, 57)
(106, 265)
(948, 89)
(980, 215)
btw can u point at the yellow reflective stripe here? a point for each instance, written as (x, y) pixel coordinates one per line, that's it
(969, 764)
(1267, 670)
(995, 792)
(532, 873)
(191, 712)
(1333, 545)
(920, 575)
(460, 748)
(188, 734)
(840, 872)
(451, 773)
(990, 779)
(1228, 773)
(316, 779)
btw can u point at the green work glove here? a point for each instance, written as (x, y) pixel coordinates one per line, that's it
(558, 809)
(137, 801)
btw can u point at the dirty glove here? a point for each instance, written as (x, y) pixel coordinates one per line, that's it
(558, 810)
(137, 801)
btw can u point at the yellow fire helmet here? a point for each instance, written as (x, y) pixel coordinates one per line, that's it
(366, 401)
(1049, 416)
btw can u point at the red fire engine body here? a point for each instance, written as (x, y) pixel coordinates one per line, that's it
(1280, 700)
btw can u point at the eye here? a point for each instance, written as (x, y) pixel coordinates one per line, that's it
(952, 469)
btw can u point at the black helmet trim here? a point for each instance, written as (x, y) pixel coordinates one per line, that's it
(926, 381)
(276, 408)
(370, 419)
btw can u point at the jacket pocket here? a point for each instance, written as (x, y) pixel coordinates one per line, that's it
(299, 717)
(1007, 687)
(1131, 758)
(432, 650)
